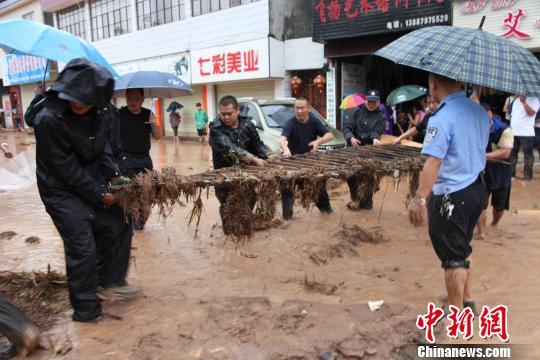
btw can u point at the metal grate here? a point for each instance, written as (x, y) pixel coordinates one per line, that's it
(332, 164)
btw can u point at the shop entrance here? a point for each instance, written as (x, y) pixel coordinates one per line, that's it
(309, 89)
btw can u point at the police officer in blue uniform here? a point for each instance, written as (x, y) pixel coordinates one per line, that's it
(451, 182)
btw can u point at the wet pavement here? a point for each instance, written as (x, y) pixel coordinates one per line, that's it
(203, 300)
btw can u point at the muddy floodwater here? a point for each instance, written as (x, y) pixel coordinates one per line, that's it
(301, 289)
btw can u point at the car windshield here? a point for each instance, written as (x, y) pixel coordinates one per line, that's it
(276, 115)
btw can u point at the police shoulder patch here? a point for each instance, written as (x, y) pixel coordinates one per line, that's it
(431, 132)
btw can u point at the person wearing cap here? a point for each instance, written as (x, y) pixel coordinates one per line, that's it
(137, 125)
(74, 165)
(451, 183)
(498, 173)
(363, 126)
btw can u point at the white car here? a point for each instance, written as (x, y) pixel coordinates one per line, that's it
(269, 116)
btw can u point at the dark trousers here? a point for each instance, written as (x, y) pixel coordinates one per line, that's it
(105, 239)
(365, 202)
(537, 140)
(451, 235)
(222, 194)
(287, 201)
(113, 242)
(527, 143)
(13, 322)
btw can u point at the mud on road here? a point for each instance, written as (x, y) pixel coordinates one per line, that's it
(202, 300)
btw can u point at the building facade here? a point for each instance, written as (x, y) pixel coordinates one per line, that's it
(19, 74)
(515, 20)
(237, 47)
(351, 31)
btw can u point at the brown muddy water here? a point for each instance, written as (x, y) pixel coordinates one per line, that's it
(292, 297)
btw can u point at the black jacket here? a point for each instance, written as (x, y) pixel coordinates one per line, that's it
(69, 162)
(364, 125)
(232, 145)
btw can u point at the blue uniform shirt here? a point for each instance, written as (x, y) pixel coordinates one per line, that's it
(457, 134)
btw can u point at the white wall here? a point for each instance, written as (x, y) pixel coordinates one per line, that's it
(277, 58)
(237, 24)
(19, 11)
(302, 54)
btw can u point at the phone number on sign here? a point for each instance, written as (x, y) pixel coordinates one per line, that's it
(426, 20)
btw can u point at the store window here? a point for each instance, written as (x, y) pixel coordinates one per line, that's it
(28, 16)
(72, 20)
(109, 18)
(157, 12)
(201, 7)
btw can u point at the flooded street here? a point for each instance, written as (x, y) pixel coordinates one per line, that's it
(202, 300)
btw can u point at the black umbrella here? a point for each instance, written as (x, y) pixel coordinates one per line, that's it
(174, 105)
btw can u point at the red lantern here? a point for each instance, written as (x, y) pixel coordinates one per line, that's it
(296, 82)
(320, 83)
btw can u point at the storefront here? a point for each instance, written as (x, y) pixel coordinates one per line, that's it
(20, 74)
(516, 20)
(352, 31)
(249, 69)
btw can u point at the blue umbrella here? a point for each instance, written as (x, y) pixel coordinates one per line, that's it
(156, 84)
(173, 106)
(31, 38)
(469, 55)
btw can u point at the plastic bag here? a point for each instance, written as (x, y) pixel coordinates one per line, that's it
(17, 173)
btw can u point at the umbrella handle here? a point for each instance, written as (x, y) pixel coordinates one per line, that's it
(482, 22)
(44, 74)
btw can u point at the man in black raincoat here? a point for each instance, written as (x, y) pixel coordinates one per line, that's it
(363, 127)
(234, 139)
(74, 165)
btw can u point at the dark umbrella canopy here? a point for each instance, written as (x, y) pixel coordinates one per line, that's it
(174, 105)
(405, 93)
(470, 55)
(84, 82)
(156, 84)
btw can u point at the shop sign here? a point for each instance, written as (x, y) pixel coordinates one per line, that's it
(341, 19)
(331, 96)
(7, 111)
(242, 61)
(353, 79)
(512, 25)
(506, 18)
(22, 69)
(474, 6)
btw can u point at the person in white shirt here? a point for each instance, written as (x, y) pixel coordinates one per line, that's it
(523, 115)
(507, 105)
